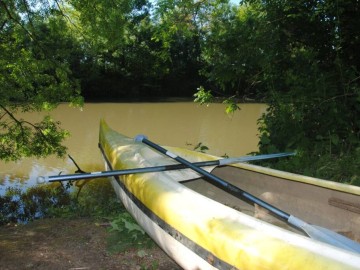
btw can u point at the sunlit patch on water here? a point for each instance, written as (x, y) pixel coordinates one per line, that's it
(22, 199)
(24, 174)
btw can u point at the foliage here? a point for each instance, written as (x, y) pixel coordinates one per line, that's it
(202, 96)
(154, 266)
(126, 234)
(316, 107)
(122, 60)
(89, 199)
(98, 199)
(34, 76)
(234, 51)
(22, 138)
(200, 147)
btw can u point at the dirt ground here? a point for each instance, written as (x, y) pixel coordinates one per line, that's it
(77, 244)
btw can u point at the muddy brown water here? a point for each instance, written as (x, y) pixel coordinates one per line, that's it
(182, 124)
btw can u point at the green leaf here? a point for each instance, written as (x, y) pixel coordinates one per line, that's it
(202, 96)
(142, 253)
(231, 108)
(264, 140)
(132, 226)
(334, 139)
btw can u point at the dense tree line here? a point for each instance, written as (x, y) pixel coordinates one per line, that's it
(300, 57)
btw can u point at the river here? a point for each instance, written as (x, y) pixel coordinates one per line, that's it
(183, 124)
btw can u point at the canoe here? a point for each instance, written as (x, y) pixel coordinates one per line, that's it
(200, 226)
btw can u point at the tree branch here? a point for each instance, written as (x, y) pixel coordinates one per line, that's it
(20, 123)
(3, 25)
(11, 17)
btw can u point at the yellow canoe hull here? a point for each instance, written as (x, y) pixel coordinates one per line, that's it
(201, 228)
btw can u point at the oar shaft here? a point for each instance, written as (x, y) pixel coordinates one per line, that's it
(72, 177)
(220, 162)
(235, 191)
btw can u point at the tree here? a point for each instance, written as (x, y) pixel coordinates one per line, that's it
(34, 76)
(313, 87)
(182, 27)
(122, 59)
(236, 51)
(313, 73)
(300, 58)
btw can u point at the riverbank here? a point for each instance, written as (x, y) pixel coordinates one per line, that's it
(71, 244)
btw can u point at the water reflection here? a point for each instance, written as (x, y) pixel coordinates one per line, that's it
(182, 124)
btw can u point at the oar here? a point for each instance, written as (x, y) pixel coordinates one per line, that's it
(315, 232)
(220, 162)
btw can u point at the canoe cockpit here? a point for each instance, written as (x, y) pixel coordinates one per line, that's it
(333, 209)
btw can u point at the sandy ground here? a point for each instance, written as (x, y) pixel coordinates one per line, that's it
(70, 244)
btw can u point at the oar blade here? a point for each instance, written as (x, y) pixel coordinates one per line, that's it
(332, 238)
(325, 235)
